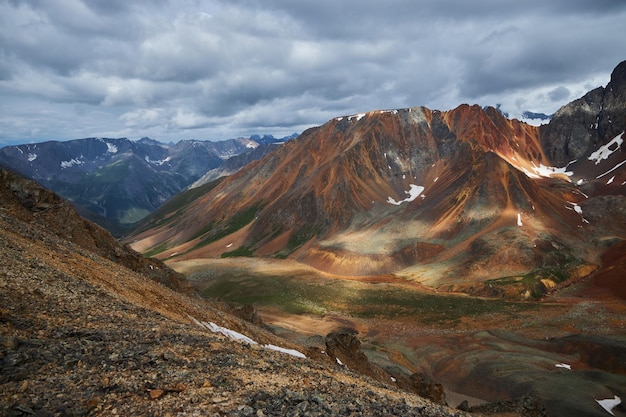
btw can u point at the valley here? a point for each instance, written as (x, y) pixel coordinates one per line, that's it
(564, 349)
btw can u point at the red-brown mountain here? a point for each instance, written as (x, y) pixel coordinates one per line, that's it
(464, 199)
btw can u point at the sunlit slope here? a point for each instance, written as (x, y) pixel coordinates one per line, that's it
(449, 199)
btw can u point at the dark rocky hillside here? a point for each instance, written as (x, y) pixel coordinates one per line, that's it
(27, 202)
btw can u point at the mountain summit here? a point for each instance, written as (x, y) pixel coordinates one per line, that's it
(464, 199)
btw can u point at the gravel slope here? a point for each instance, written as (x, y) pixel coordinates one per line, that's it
(81, 335)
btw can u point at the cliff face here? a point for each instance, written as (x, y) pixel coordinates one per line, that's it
(582, 126)
(446, 198)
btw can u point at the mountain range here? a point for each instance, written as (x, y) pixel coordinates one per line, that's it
(464, 200)
(366, 226)
(116, 182)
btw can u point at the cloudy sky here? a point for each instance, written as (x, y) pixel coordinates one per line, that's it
(217, 69)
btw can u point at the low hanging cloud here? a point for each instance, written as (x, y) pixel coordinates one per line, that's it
(219, 69)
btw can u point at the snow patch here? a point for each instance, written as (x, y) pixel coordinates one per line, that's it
(545, 171)
(611, 170)
(32, 157)
(339, 362)
(610, 180)
(111, 148)
(605, 151)
(578, 210)
(291, 352)
(159, 162)
(413, 193)
(72, 162)
(239, 337)
(564, 365)
(231, 334)
(357, 116)
(519, 219)
(609, 404)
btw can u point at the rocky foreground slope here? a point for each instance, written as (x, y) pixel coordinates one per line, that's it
(83, 335)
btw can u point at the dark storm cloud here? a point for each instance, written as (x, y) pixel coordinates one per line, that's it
(559, 94)
(218, 69)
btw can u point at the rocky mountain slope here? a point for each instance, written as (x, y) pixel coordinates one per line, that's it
(464, 199)
(118, 181)
(82, 334)
(28, 202)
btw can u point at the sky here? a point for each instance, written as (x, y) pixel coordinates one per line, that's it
(214, 70)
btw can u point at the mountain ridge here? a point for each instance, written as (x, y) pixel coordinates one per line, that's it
(421, 184)
(118, 181)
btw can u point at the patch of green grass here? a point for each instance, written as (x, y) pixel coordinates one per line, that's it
(133, 215)
(297, 239)
(241, 219)
(531, 281)
(172, 208)
(295, 295)
(287, 294)
(156, 250)
(431, 308)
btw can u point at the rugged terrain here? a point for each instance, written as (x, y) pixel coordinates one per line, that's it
(83, 335)
(475, 250)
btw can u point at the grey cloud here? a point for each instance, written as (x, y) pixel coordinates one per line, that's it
(559, 94)
(224, 68)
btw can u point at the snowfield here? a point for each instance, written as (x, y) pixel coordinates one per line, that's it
(413, 193)
(609, 404)
(605, 151)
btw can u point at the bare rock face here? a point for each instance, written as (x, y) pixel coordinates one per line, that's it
(582, 125)
(424, 386)
(28, 201)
